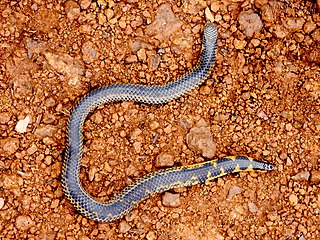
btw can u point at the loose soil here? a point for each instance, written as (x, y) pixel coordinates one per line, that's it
(261, 100)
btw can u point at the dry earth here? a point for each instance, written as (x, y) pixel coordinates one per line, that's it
(261, 100)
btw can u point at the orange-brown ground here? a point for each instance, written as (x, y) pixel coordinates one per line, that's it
(261, 100)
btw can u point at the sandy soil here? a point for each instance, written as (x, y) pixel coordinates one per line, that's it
(261, 100)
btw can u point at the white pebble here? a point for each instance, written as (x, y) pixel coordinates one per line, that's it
(22, 124)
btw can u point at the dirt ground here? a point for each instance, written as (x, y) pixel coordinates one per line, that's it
(261, 100)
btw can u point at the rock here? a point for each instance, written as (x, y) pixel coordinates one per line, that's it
(153, 61)
(67, 66)
(34, 47)
(164, 160)
(32, 149)
(315, 177)
(137, 147)
(263, 115)
(280, 31)
(124, 227)
(131, 59)
(1, 203)
(45, 131)
(171, 199)
(10, 145)
(294, 24)
(4, 117)
(151, 236)
(309, 27)
(89, 52)
(200, 139)
(84, 4)
(252, 207)
(301, 176)
(234, 190)
(293, 199)
(92, 172)
(165, 23)
(208, 14)
(250, 22)
(23, 223)
(22, 124)
(72, 10)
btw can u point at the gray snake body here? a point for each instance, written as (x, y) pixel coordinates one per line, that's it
(155, 182)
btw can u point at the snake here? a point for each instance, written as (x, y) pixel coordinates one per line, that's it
(161, 180)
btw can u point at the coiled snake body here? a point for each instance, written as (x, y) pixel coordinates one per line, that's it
(155, 182)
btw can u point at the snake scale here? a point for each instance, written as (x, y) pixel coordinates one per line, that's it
(154, 182)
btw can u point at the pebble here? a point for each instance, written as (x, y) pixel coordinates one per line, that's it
(89, 52)
(1, 203)
(200, 139)
(22, 124)
(262, 114)
(32, 149)
(72, 9)
(84, 4)
(171, 199)
(45, 131)
(301, 176)
(66, 65)
(10, 145)
(293, 199)
(164, 160)
(250, 22)
(252, 207)
(92, 172)
(294, 24)
(137, 147)
(151, 236)
(23, 223)
(4, 117)
(165, 24)
(124, 227)
(315, 177)
(234, 190)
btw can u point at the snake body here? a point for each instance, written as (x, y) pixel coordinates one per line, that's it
(155, 182)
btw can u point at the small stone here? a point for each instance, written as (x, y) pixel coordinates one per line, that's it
(239, 44)
(293, 199)
(22, 124)
(137, 147)
(289, 127)
(301, 176)
(45, 131)
(4, 117)
(262, 114)
(142, 56)
(234, 190)
(294, 24)
(135, 133)
(124, 227)
(10, 145)
(261, 230)
(92, 172)
(280, 31)
(151, 236)
(171, 199)
(309, 27)
(315, 177)
(72, 9)
(32, 149)
(200, 139)
(252, 207)
(164, 160)
(154, 125)
(54, 203)
(131, 59)
(209, 15)
(250, 22)
(84, 4)
(153, 61)
(1, 203)
(89, 52)
(23, 223)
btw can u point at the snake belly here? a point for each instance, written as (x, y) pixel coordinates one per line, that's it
(155, 182)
